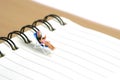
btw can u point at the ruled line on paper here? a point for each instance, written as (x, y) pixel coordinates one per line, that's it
(91, 55)
(37, 55)
(89, 32)
(31, 69)
(82, 66)
(87, 60)
(7, 78)
(16, 72)
(82, 37)
(73, 46)
(94, 41)
(44, 66)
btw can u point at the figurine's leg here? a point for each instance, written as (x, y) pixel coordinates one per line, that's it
(49, 45)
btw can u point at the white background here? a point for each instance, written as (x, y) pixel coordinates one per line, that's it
(106, 12)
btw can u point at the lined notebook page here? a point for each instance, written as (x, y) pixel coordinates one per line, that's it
(80, 54)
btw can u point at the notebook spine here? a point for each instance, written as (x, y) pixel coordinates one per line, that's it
(21, 34)
(33, 26)
(56, 17)
(10, 42)
(29, 26)
(49, 26)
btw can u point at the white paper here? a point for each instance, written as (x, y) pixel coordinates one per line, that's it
(80, 54)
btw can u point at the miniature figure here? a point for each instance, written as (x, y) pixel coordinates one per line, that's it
(43, 42)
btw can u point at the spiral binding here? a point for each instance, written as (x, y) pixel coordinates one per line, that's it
(23, 36)
(33, 27)
(10, 42)
(49, 26)
(29, 26)
(56, 17)
(1, 54)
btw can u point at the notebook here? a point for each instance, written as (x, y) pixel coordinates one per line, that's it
(79, 53)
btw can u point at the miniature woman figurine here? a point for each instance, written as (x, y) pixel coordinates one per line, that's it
(43, 42)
